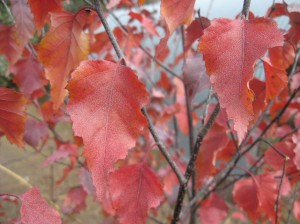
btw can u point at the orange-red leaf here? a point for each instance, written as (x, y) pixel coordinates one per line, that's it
(213, 210)
(257, 194)
(214, 141)
(75, 200)
(109, 96)
(10, 43)
(29, 75)
(12, 117)
(24, 20)
(145, 21)
(177, 12)
(195, 77)
(134, 190)
(276, 79)
(62, 49)
(230, 49)
(36, 132)
(41, 9)
(35, 210)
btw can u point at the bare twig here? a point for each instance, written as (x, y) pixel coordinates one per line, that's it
(297, 55)
(125, 30)
(8, 10)
(292, 202)
(276, 206)
(163, 149)
(246, 8)
(191, 164)
(15, 176)
(110, 34)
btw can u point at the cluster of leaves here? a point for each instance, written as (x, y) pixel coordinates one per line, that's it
(129, 103)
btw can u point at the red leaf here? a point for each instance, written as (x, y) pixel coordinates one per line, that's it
(194, 31)
(14, 38)
(63, 151)
(29, 75)
(86, 181)
(134, 190)
(35, 132)
(24, 20)
(177, 12)
(214, 141)
(146, 22)
(276, 161)
(276, 79)
(41, 9)
(10, 43)
(282, 56)
(110, 97)
(257, 194)
(12, 117)
(296, 210)
(61, 50)
(195, 77)
(35, 210)
(230, 70)
(213, 210)
(74, 201)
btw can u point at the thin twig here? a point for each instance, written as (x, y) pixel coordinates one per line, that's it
(246, 8)
(292, 202)
(8, 10)
(191, 164)
(110, 34)
(275, 148)
(210, 93)
(125, 30)
(15, 176)
(296, 59)
(163, 149)
(276, 206)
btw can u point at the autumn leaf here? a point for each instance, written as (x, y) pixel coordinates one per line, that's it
(62, 49)
(145, 21)
(194, 31)
(257, 195)
(35, 210)
(213, 142)
(64, 151)
(282, 56)
(12, 117)
(28, 75)
(41, 9)
(177, 12)
(36, 132)
(74, 201)
(138, 185)
(110, 97)
(213, 210)
(24, 20)
(195, 77)
(241, 42)
(276, 79)
(13, 38)
(10, 43)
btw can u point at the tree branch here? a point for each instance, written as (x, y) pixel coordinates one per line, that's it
(163, 149)
(246, 8)
(110, 34)
(191, 164)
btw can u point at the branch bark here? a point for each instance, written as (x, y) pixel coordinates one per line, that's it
(191, 164)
